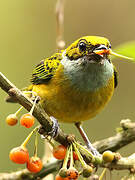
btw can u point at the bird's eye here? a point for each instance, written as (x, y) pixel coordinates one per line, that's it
(109, 46)
(82, 46)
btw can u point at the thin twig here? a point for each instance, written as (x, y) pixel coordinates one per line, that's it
(60, 43)
(125, 136)
(26, 175)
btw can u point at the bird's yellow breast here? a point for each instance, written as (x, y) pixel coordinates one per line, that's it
(62, 100)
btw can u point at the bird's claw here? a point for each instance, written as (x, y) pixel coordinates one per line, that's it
(94, 151)
(55, 128)
(52, 133)
(35, 98)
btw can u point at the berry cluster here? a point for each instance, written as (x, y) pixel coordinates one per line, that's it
(70, 155)
(73, 153)
(68, 171)
(20, 155)
(27, 120)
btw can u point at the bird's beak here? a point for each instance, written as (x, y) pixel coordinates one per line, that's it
(110, 52)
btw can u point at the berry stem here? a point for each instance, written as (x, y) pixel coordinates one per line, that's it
(79, 155)
(71, 156)
(89, 153)
(36, 144)
(102, 174)
(29, 136)
(50, 142)
(18, 111)
(31, 111)
(66, 158)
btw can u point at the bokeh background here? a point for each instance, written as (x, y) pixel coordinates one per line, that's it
(28, 33)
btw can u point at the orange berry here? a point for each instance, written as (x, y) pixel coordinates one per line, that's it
(34, 164)
(72, 173)
(75, 156)
(27, 120)
(11, 119)
(58, 177)
(59, 152)
(19, 155)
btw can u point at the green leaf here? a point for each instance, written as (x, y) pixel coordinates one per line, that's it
(126, 49)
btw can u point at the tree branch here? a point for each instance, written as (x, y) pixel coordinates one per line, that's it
(123, 163)
(26, 175)
(27, 103)
(125, 135)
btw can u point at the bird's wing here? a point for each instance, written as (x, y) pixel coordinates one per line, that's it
(115, 77)
(45, 70)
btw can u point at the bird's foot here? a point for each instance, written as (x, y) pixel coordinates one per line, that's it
(55, 127)
(93, 150)
(86, 140)
(53, 133)
(36, 99)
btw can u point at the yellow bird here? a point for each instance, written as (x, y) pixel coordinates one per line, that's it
(76, 84)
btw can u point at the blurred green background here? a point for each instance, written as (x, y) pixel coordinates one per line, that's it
(28, 33)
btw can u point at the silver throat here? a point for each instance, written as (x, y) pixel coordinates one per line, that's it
(86, 75)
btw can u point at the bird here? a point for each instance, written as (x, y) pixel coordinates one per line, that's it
(75, 84)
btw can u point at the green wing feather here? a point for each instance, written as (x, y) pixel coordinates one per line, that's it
(45, 70)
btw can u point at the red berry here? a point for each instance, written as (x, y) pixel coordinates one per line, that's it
(11, 119)
(59, 152)
(75, 156)
(27, 120)
(34, 164)
(19, 155)
(58, 177)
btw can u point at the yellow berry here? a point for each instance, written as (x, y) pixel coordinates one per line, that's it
(87, 171)
(108, 156)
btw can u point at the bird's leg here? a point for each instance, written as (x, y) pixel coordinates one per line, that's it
(86, 140)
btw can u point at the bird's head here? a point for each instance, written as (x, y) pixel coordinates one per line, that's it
(93, 49)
